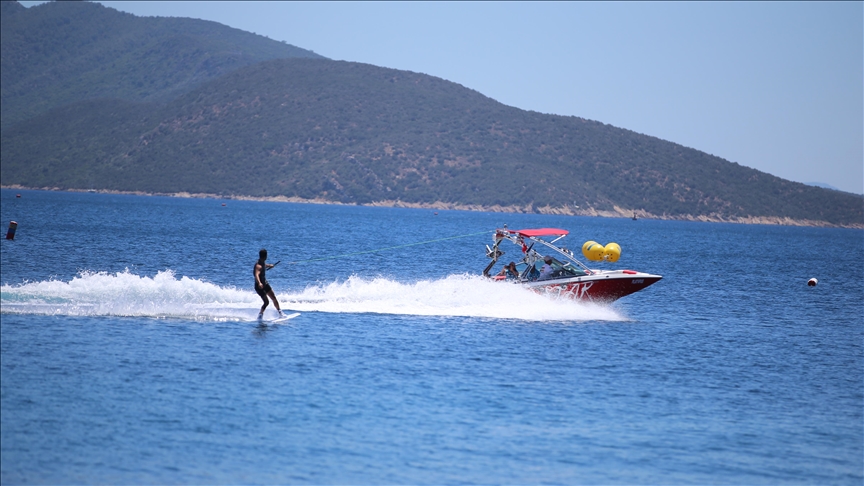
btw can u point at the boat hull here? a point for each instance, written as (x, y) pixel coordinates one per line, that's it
(603, 287)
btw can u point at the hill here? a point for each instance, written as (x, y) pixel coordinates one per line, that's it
(359, 134)
(59, 53)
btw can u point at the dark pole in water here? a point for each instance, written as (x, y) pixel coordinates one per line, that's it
(10, 235)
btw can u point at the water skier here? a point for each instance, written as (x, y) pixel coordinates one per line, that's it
(263, 288)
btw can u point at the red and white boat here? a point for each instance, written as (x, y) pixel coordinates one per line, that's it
(568, 278)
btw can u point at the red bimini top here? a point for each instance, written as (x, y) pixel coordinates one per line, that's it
(540, 232)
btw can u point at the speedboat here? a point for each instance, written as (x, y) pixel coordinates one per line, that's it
(567, 277)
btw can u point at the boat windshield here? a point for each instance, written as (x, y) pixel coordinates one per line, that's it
(560, 270)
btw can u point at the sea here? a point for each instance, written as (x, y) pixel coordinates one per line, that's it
(131, 353)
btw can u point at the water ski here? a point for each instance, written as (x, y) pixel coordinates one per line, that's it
(281, 318)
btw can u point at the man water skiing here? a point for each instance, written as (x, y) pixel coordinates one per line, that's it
(262, 288)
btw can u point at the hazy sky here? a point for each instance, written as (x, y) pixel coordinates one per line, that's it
(777, 86)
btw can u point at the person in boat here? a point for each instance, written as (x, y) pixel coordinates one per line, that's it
(546, 270)
(262, 288)
(509, 271)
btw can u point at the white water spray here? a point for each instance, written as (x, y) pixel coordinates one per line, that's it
(164, 295)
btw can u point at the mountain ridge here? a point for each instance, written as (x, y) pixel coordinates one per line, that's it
(313, 129)
(57, 53)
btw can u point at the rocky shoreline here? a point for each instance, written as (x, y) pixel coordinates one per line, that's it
(562, 210)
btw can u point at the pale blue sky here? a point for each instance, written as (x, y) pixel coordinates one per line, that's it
(777, 86)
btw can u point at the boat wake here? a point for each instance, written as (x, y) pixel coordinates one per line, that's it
(165, 295)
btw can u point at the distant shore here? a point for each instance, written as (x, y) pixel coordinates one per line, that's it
(561, 210)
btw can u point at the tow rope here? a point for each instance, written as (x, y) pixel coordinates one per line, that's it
(390, 248)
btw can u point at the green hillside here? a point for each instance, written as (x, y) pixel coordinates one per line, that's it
(356, 133)
(59, 53)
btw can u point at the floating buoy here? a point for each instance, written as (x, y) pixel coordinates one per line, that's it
(223, 204)
(812, 282)
(10, 235)
(593, 251)
(18, 195)
(612, 252)
(597, 253)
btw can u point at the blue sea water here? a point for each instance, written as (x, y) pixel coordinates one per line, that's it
(130, 354)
